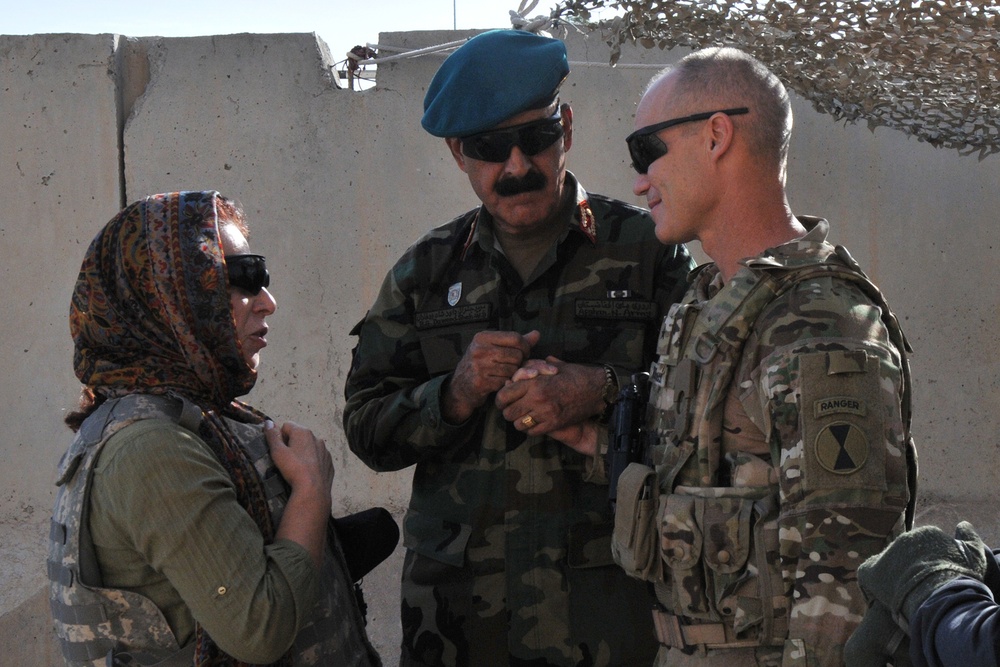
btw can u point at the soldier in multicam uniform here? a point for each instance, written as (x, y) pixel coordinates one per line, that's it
(185, 530)
(508, 534)
(779, 406)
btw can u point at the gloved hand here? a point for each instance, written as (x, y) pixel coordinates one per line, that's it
(918, 562)
(877, 641)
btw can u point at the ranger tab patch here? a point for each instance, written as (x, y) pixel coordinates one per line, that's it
(839, 404)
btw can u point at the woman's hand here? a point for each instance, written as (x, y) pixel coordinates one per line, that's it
(307, 466)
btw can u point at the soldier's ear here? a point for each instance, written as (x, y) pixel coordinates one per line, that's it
(455, 146)
(719, 129)
(567, 114)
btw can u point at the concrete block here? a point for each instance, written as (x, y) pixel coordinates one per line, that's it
(60, 182)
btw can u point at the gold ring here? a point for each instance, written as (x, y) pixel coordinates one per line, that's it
(527, 422)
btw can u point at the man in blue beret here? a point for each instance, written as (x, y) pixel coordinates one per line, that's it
(508, 531)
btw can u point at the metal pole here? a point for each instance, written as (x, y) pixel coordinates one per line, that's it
(454, 14)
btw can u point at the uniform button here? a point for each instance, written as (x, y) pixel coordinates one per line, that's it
(723, 556)
(222, 590)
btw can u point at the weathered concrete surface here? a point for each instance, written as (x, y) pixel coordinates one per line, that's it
(59, 173)
(338, 183)
(26, 634)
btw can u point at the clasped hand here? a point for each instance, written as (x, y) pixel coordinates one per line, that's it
(549, 397)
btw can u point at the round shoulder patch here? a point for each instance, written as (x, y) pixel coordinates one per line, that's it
(842, 448)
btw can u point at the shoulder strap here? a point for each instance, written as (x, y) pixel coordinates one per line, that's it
(729, 322)
(108, 419)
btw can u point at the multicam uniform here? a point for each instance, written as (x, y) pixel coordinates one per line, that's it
(509, 557)
(94, 622)
(780, 407)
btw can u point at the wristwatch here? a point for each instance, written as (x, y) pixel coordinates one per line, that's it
(609, 393)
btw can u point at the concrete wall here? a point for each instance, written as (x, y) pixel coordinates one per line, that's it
(337, 183)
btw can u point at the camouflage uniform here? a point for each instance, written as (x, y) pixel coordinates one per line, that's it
(93, 622)
(780, 413)
(509, 558)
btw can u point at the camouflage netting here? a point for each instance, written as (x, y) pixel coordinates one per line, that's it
(926, 67)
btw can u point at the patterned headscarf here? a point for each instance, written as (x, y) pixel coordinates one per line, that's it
(151, 307)
(151, 313)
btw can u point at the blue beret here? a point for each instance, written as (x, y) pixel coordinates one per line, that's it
(492, 77)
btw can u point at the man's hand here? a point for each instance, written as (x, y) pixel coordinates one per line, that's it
(554, 394)
(491, 360)
(581, 436)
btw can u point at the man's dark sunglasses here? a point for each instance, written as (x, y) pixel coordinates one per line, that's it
(646, 148)
(248, 273)
(532, 138)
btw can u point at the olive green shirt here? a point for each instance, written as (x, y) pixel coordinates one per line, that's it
(166, 524)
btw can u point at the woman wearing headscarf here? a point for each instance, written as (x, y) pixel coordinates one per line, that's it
(188, 529)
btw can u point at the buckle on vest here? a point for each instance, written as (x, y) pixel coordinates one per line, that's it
(705, 347)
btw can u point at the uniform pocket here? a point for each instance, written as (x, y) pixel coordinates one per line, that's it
(633, 542)
(443, 347)
(440, 539)
(707, 543)
(728, 542)
(680, 532)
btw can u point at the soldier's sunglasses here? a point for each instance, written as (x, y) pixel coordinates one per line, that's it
(248, 273)
(645, 147)
(532, 138)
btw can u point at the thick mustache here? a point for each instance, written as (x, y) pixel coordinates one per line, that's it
(511, 186)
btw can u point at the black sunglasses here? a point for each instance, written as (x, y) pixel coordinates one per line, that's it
(645, 147)
(532, 138)
(248, 273)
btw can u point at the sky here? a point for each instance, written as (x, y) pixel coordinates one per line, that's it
(342, 24)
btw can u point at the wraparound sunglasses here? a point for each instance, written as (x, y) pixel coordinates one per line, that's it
(645, 147)
(248, 273)
(532, 138)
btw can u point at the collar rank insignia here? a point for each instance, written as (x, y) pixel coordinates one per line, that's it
(588, 223)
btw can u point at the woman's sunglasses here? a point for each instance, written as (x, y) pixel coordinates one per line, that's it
(532, 138)
(248, 273)
(645, 147)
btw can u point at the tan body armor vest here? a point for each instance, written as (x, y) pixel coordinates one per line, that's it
(98, 626)
(706, 542)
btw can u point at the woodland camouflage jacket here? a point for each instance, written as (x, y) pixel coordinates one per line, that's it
(509, 546)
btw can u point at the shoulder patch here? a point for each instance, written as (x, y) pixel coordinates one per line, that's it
(842, 423)
(842, 448)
